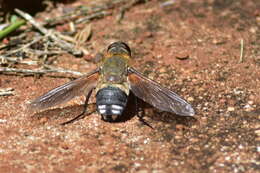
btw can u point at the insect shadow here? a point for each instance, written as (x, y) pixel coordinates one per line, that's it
(134, 107)
(59, 113)
(72, 111)
(173, 119)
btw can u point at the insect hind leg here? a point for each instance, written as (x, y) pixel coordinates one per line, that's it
(82, 114)
(140, 113)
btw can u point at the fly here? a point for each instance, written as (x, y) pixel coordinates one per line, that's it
(111, 83)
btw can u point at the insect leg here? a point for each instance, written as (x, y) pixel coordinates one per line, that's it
(81, 115)
(140, 113)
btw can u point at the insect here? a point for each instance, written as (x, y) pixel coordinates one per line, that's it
(112, 82)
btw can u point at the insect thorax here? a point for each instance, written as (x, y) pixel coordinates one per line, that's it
(112, 89)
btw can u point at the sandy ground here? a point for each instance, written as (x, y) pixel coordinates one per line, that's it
(193, 48)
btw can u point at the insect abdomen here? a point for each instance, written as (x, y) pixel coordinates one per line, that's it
(110, 102)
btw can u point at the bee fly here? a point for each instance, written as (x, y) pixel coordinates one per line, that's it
(112, 82)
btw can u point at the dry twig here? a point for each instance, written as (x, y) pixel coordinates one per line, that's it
(52, 35)
(5, 60)
(241, 51)
(126, 7)
(96, 15)
(24, 47)
(90, 12)
(82, 36)
(38, 71)
(40, 53)
(6, 92)
(61, 70)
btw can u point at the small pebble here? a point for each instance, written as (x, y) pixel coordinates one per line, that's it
(190, 99)
(162, 70)
(257, 132)
(182, 55)
(250, 102)
(142, 171)
(2, 120)
(230, 109)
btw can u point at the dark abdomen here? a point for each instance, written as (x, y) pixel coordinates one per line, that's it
(110, 102)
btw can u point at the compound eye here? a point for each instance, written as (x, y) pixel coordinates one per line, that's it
(119, 47)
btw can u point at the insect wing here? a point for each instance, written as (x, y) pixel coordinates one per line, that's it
(156, 95)
(66, 92)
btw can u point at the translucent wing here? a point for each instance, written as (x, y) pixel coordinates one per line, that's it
(156, 95)
(66, 92)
